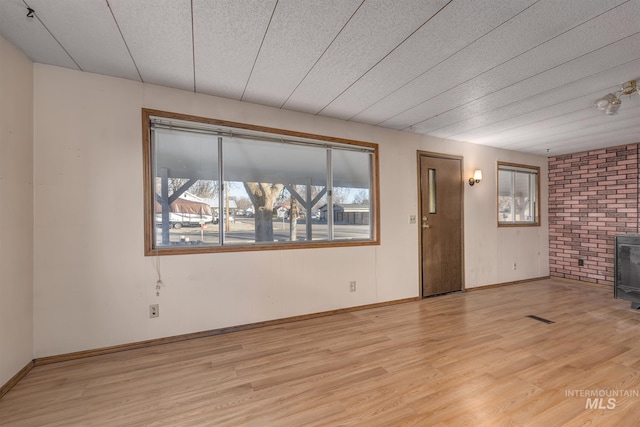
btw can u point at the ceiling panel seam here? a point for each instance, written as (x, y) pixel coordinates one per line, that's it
(517, 83)
(124, 41)
(522, 115)
(593, 94)
(322, 54)
(531, 69)
(567, 135)
(193, 49)
(511, 59)
(587, 133)
(438, 64)
(385, 56)
(51, 34)
(255, 60)
(568, 114)
(568, 101)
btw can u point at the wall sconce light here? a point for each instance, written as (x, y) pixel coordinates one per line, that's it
(477, 177)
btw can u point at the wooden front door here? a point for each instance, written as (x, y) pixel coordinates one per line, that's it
(441, 191)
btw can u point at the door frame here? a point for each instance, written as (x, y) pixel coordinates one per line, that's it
(419, 155)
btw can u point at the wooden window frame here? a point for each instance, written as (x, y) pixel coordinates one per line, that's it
(538, 213)
(150, 249)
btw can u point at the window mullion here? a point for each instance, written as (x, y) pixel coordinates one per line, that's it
(221, 190)
(513, 196)
(330, 212)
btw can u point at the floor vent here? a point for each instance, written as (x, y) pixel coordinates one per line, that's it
(541, 319)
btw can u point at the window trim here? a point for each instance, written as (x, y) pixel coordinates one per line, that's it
(538, 213)
(149, 197)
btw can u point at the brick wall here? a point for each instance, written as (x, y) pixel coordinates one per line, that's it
(592, 197)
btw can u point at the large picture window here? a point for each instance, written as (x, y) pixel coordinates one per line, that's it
(518, 194)
(215, 186)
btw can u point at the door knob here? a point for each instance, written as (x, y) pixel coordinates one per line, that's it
(424, 225)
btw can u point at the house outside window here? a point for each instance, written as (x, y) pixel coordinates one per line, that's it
(215, 186)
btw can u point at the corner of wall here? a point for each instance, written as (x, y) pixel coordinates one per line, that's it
(593, 196)
(16, 211)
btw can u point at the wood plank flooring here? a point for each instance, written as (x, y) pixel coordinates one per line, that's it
(470, 359)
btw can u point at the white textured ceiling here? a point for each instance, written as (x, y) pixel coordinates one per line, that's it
(517, 74)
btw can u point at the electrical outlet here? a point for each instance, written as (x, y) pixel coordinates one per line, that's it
(154, 310)
(515, 266)
(412, 219)
(352, 285)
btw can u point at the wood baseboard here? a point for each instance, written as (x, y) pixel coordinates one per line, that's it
(580, 282)
(16, 378)
(176, 338)
(499, 285)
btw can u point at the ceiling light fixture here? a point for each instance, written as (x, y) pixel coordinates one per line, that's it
(611, 102)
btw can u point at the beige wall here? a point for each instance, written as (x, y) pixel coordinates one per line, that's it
(490, 251)
(93, 285)
(16, 211)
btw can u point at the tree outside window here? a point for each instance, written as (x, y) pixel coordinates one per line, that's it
(278, 187)
(518, 194)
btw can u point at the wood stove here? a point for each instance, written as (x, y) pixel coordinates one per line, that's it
(627, 269)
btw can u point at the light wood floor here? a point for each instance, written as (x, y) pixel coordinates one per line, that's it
(461, 359)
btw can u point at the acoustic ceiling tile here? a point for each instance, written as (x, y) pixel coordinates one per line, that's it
(299, 33)
(30, 36)
(375, 30)
(585, 130)
(580, 41)
(605, 139)
(89, 33)
(459, 24)
(541, 22)
(504, 73)
(158, 34)
(569, 126)
(584, 66)
(228, 35)
(547, 104)
(508, 129)
(505, 129)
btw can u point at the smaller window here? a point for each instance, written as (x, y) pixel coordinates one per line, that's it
(518, 194)
(432, 191)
